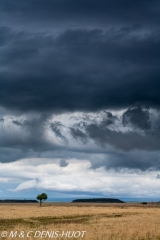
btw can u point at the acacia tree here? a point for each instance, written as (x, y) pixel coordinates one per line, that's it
(41, 197)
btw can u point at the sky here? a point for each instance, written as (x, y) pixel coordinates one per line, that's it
(80, 98)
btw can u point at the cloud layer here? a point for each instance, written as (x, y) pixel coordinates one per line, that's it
(76, 178)
(125, 139)
(78, 55)
(78, 70)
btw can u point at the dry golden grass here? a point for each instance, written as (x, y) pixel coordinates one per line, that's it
(100, 221)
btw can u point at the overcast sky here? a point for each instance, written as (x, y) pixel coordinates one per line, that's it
(80, 98)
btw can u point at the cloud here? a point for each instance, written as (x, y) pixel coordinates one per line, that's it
(78, 70)
(49, 66)
(1, 120)
(125, 141)
(135, 161)
(63, 163)
(78, 134)
(56, 126)
(17, 123)
(78, 178)
(101, 137)
(83, 12)
(26, 185)
(138, 116)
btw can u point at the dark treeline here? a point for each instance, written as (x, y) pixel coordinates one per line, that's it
(99, 200)
(17, 201)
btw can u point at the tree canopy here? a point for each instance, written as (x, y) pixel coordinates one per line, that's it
(42, 197)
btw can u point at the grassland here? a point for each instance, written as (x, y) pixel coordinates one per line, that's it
(100, 221)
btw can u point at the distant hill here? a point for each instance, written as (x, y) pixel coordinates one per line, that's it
(99, 200)
(18, 201)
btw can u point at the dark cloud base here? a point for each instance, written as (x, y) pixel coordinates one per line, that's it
(83, 55)
(85, 70)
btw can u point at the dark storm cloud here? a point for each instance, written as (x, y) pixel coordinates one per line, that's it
(9, 154)
(78, 134)
(1, 120)
(79, 131)
(81, 55)
(131, 146)
(135, 129)
(17, 123)
(56, 128)
(108, 119)
(135, 161)
(139, 117)
(27, 140)
(125, 141)
(63, 163)
(73, 13)
(79, 70)
(158, 176)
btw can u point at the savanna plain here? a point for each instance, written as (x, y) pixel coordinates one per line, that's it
(122, 221)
